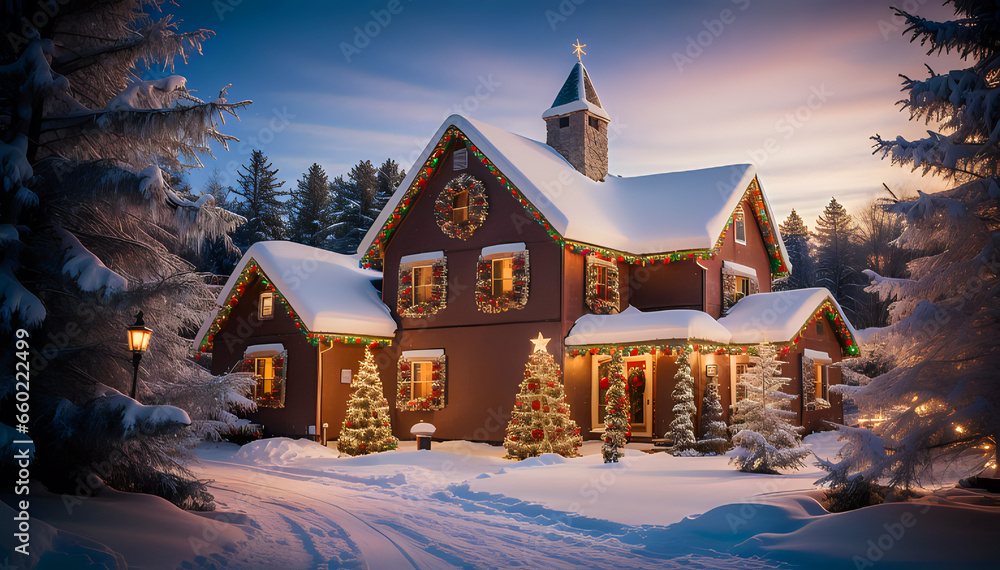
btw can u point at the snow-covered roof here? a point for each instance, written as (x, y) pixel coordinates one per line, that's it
(577, 94)
(328, 291)
(777, 316)
(269, 349)
(656, 213)
(633, 325)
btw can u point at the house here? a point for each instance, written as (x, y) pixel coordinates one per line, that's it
(493, 238)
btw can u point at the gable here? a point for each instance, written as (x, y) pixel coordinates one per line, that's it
(645, 219)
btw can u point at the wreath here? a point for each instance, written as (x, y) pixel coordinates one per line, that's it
(516, 298)
(444, 207)
(439, 292)
(405, 402)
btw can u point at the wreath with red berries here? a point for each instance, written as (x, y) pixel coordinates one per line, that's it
(444, 207)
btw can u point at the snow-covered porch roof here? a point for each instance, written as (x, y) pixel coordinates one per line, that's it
(325, 293)
(641, 218)
(633, 326)
(781, 316)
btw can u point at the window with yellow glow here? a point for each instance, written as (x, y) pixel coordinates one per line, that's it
(460, 207)
(503, 276)
(266, 307)
(422, 382)
(423, 283)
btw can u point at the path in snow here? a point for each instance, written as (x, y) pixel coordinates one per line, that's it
(417, 518)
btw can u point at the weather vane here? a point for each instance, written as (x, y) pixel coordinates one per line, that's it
(579, 50)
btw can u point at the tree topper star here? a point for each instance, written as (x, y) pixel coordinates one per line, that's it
(579, 50)
(539, 343)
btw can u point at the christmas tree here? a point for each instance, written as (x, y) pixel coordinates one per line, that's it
(616, 416)
(682, 428)
(366, 429)
(765, 440)
(540, 422)
(714, 433)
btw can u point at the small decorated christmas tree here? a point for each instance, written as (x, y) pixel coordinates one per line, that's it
(714, 433)
(765, 440)
(682, 428)
(616, 417)
(540, 422)
(366, 429)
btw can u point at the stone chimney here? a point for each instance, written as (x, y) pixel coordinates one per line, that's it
(577, 126)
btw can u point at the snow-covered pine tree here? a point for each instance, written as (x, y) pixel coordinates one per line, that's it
(941, 394)
(877, 232)
(714, 433)
(389, 177)
(795, 235)
(836, 255)
(358, 200)
(367, 427)
(682, 427)
(540, 422)
(616, 415)
(765, 440)
(260, 190)
(309, 208)
(89, 230)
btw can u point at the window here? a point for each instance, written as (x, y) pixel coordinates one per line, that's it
(742, 288)
(423, 284)
(594, 123)
(563, 122)
(738, 281)
(460, 207)
(819, 327)
(266, 307)
(267, 364)
(637, 372)
(741, 389)
(460, 159)
(815, 379)
(602, 295)
(502, 278)
(421, 380)
(739, 227)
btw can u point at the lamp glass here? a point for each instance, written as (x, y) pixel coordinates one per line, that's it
(138, 339)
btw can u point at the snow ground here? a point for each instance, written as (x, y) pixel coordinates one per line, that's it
(295, 504)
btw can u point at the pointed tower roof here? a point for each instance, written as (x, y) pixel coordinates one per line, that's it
(577, 94)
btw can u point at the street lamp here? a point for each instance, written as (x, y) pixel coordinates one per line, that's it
(138, 342)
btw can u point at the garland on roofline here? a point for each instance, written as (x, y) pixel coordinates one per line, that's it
(453, 137)
(516, 298)
(827, 310)
(251, 273)
(597, 305)
(478, 207)
(439, 292)
(405, 402)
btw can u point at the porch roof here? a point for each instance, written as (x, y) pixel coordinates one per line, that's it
(633, 325)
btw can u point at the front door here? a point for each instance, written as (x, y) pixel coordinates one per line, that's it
(639, 381)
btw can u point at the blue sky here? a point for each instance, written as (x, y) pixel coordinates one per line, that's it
(796, 87)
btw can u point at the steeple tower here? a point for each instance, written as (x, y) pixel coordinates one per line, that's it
(577, 126)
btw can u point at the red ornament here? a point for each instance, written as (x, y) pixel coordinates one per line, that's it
(605, 383)
(537, 434)
(635, 352)
(536, 405)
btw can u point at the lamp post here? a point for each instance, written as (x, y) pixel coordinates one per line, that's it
(138, 342)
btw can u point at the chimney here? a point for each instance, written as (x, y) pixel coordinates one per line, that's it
(576, 125)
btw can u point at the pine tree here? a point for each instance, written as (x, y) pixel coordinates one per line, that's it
(765, 440)
(714, 433)
(217, 255)
(90, 233)
(682, 427)
(359, 200)
(941, 393)
(540, 422)
(367, 428)
(389, 177)
(795, 235)
(261, 205)
(963, 101)
(616, 416)
(309, 208)
(836, 255)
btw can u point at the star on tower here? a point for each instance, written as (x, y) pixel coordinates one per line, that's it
(579, 50)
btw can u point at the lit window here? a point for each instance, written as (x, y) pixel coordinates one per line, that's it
(269, 372)
(602, 294)
(822, 382)
(739, 227)
(742, 288)
(460, 207)
(266, 307)
(422, 381)
(423, 283)
(503, 276)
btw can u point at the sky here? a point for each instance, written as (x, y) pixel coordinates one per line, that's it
(796, 87)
